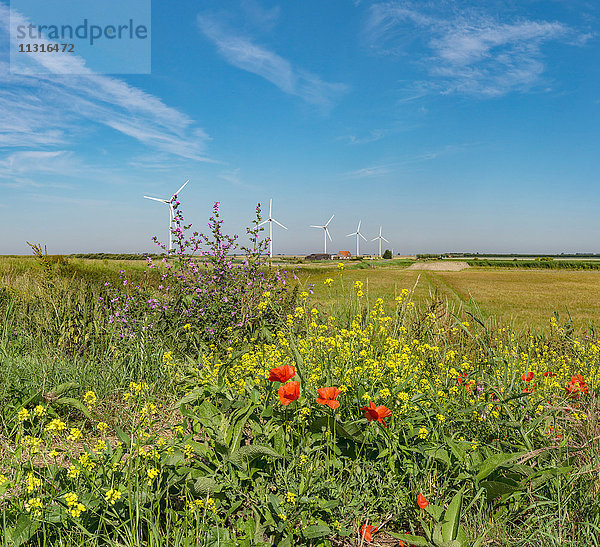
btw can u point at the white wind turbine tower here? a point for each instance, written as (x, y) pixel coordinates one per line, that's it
(325, 233)
(169, 202)
(380, 237)
(270, 220)
(357, 234)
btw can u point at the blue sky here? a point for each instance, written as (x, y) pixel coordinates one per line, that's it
(465, 126)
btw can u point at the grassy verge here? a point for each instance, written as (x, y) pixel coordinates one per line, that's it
(384, 407)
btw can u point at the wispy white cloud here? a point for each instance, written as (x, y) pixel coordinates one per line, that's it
(263, 18)
(243, 53)
(22, 169)
(372, 136)
(369, 172)
(472, 53)
(50, 106)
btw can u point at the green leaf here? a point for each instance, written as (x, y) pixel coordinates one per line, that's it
(74, 403)
(495, 461)
(23, 530)
(316, 531)
(246, 454)
(435, 511)
(191, 397)
(233, 437)
(439, 454)
(458, 451)
(203, 486)
(66, 387)
(494, 489)
(123, 437)
(452, 518)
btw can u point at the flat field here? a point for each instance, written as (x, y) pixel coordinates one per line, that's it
(520, 298)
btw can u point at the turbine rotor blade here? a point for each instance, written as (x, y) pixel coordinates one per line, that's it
(188, 180)
(328, 235)
(264, 222)
(352, 234)
(316, 226)
(329, 220)
(270, 206)
(157, 199)
(279, 224)
(362, 236)
(384, 239)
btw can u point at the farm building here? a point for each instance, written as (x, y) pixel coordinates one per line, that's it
(344, 255)
(319, 256)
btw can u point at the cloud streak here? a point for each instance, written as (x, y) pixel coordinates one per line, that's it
(244, 54)
(49, 107)
(471, 53)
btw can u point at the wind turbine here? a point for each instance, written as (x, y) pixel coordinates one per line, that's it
(169, 202)
(380, 237)
(357, 234)
(326, 232)
(270, 220)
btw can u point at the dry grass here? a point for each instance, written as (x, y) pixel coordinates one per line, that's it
(524, 299)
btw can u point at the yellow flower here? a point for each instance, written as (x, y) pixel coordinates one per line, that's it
(328, 282)
(340, 266)
(440, 417)
(73, 472)
(112, 496)
(75, 434)
(290, 497)
(423, 432)
(23, 415)
(74, 507)
(102, 427)
(187, 327)
(54, 454)
(99, 447)
(34, 506)
(90, 399)
(33, 442)
(56, 425)
(152, 474)
(3, 479)
(187, 449)
(86, 462)
(32, 482)
(39, 410)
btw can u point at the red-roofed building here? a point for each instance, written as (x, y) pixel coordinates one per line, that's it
(344, 255)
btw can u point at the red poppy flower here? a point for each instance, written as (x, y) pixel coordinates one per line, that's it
(327, 396)
(378, 413)
(282, 374)
(289, 392)
(551, 374)
(459, 379)
(422, 501)
(366, 530)
(527, 377)
(530, 388)
(576, 385)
